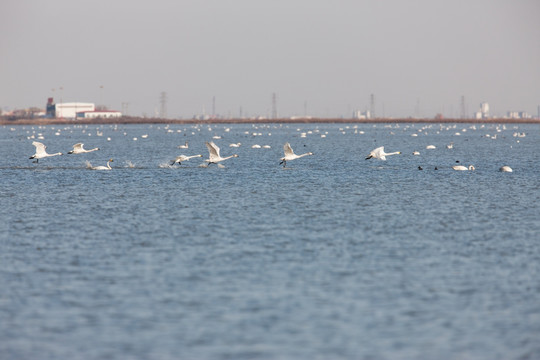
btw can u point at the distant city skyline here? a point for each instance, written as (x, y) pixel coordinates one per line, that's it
(320, 58)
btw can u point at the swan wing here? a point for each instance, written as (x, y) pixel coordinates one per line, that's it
(40, 148)
(213, 149)
(78, 147)
(288, 150)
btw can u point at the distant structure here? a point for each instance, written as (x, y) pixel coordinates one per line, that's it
(463, 114)
(274, 106)
(67, 110)
(362, 115)
(518, 115)
(372, 105)
(163, 103)
(484, 111)
(103, 114)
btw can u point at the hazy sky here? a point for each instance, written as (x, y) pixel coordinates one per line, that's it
(324, 55)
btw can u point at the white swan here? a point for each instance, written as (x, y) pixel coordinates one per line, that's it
(181, 158)
(101, 167)
(235, 145)
(79, 149)
(290, 155)
(463, 168)
(185, 146)
(431, 147)
(214, 156)
(41, 152)
(506, 168)
(379, 153)
(416, 153)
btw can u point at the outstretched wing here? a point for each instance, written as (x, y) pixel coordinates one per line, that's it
(40, 148)
(78, 147)
(213, 149)
(288, 150)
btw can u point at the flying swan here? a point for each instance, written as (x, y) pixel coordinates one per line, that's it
(214, 156)
(41, 152)
(181, 158)
(79, 149)
(379, 153)
(290, 155)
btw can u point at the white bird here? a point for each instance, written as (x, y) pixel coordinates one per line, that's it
(214, 156)
(256, 146)
(379, 153)
(41, 152)
(431, 147)
(181, 158)
(235, 145)
(185, 146)
(101, 167)
(450, 146)
(290, 155)
(416, 153)
(79, 149)
(506, 168)
(463, 168)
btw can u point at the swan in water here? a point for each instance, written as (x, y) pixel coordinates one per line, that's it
(181, 158)
(79, 149)
(463, 168)
(41, 152)
(379, 153)
(101, 167)
(290, 155)
(185, 146)
(214, 156)
(416, 153)
(506, 168)
(235, 145)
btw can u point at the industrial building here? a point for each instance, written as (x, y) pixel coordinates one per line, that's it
(67, 110)
(98, 114)
(78, 110)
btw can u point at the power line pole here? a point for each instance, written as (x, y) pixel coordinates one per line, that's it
(274, 106)
(372, 106)
(163, 102)
(463, 111)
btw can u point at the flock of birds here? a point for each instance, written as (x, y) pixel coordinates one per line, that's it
(214, 156)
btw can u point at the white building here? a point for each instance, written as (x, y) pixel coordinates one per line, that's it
(70, 110)
(98, 114)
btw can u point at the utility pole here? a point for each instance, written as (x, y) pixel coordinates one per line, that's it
(274, 106)
(163, 102)
(372, 106)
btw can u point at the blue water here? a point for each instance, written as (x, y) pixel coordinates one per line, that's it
(333, 257)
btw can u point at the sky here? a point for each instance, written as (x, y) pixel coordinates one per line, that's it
(321, 58)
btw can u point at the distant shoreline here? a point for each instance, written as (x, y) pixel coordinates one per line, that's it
(141, 120)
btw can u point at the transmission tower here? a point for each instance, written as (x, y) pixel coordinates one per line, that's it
(463, 111)
(125, 106)
(274, 106)
(372, 106)
(163, 103)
